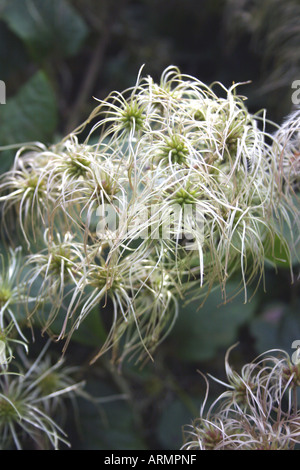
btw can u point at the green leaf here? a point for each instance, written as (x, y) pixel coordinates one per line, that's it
(91, 332)
(173, 418)
(46, 27)
(14, 57)
(109, 426)
(277, 327)
(286, 248)
(199, 333)
(278, 255)
(31, 115)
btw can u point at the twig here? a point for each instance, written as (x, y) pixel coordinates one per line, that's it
(89, 80)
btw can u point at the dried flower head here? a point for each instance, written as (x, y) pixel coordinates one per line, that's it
(258, 411)
(287, 144)
(14, 297)
(176, 178)
(29, 398)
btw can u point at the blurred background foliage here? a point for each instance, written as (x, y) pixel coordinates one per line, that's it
(55, 57)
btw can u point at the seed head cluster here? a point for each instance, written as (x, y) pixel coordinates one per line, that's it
(257, 411)
(32, 402)
(174, 187)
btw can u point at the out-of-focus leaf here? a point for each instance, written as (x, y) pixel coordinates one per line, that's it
(278, 256)
(173, 418)
(46, 26)
(91, 332)
(31, 115)
(277, 327)
(199, 333)
(109, 426)
(281, 255)
(14, 57)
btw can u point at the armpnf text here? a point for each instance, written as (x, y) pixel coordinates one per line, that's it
(155, 459)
